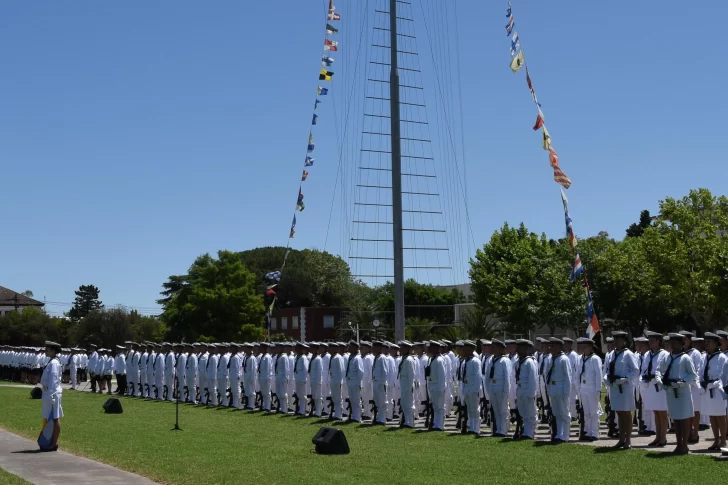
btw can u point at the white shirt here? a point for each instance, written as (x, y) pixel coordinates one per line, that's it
(589, 374)
(354, 370)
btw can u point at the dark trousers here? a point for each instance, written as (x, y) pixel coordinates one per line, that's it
(121, 383)
(94, 380)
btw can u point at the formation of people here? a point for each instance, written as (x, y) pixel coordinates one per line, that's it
(506, 386)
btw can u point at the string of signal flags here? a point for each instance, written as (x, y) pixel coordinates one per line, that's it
(518, 62)
(330, 45)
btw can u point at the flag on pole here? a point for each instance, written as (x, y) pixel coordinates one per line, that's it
(515, 44)
(293, 227)
(326, 61)
(310, 148)
(576, 268)
(334, 16)
(304, 176)
(309, 161)
(331, 30)
(315, 117)
(509, 27)
(539, 121)
(331, 45)
(273, 275)
(508, 12)
(592, 327)
(561, 178)
(300, 206)
(517, 62)
(569, 223)
(322, 91)
(546, 138)
(315, 105)
(553, 158)
(325, 75)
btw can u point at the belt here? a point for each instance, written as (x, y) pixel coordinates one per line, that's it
(553, 383)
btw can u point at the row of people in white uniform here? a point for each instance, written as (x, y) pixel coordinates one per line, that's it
(25, 364)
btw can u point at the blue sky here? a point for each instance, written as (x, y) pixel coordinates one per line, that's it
(135, 136)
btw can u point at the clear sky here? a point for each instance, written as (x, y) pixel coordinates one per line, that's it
(135, 136)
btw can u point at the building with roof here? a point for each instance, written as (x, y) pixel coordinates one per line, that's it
(11, 301)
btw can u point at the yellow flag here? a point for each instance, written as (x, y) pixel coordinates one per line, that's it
(517, 62)
(546, 139)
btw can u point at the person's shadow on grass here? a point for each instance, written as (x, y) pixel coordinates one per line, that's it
(26, 452)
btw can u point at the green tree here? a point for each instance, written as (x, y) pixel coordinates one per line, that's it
(28, 293)
(478, 323)
(216, 299)
(637, 229)
(418, 329)
(421, 300)
(31, 326)
(87, 300)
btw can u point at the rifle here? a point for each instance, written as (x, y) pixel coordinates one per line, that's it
(310, 404)
(399, 405)
(165, 392)
(331, 407)
(295, 403)
(551, 418)
(459, 413)
(650, 378)
(348, 407)
(464, 428)
(276, 403)
(187, 393)
(612, 378)
(670, 382)
(539, 406)
(375, 410)
(611, 424)
(580, 413)
(141, 390)
(640, 422)
(428, 408)
(704, 385)
(229, 396)
(258, 400)
(519, 425)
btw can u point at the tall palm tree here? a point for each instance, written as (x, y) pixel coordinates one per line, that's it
(418, 329)
(478, 323)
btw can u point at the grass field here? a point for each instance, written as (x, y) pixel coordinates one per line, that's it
(10, 479)
(220, 446)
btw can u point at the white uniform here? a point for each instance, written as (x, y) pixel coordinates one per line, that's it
(589, 376)
(526, 389)
(354, 376)
(654, 397)
(498, 387)
(438, 388)
(712, 380)
(191, 377)
(281, 370)
(367, 393)
(380, 379)
(223, 378)
(472, 378)
(143, 382)
(559, 389)
(212, 385)
(250, 374)
(52, 391)
(202, 377)
(300, 376)
(235, 374)
(406, 374)
(73, 370)
(336, 379)
(316, 376)
(169, 364)
(181, 372)
(677, 374)
(623, 365)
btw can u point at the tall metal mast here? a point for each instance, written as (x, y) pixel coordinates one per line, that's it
(396, 178)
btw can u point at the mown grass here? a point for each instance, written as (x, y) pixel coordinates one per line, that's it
(10, 479)
(220, 446)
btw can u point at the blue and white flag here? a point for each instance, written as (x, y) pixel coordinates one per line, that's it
(508, 12)
(576, 268)
(309, 161)
(315, 105)
(322, 91)
(310, 148)
(515, 44)
(509, 27)
(315, 117)
(327, 61)
(273, 276)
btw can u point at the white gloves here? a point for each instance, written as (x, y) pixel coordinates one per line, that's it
(713, 385)
(621, 380)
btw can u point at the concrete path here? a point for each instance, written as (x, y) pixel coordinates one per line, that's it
(21, 457)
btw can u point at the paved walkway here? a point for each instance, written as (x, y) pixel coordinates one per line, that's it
(21, 457)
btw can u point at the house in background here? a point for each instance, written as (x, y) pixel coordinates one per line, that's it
(11, 301)
(308, 324)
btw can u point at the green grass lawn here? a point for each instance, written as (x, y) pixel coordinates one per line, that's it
(10, 479)
(233, 447)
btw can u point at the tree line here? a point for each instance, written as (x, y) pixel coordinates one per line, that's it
(669, 271)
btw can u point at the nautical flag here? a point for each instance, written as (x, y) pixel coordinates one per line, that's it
(539, 121)
(509, 27)
(592, 327)
(331, 6)
(304, 176)
(310, 148)
(310, 138)
(273, 275)
(569, 223)
(330, 29)
(546, 138)
(330, 45)
(293, 228)
(322, 91)
(300, 206)
(553, 158)
(315, 117)
(515, 44)
(327, 61)
(561, 178)
(325, 75)
(508, 12)
(309, 161)
(576, 268)
(517, 62)
(334, 16)
(528, 80)
(300, 194)
(315, 105)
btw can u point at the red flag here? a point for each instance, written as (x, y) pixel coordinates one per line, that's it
(303, 177)
(561, 178)
(553, 158)
(334, 16)
(331, 45)
(539, 121)
(528, 80)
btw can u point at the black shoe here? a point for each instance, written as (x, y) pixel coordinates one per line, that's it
(592, 438)
(703, 427)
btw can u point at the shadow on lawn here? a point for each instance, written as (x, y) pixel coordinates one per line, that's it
(26, 452)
